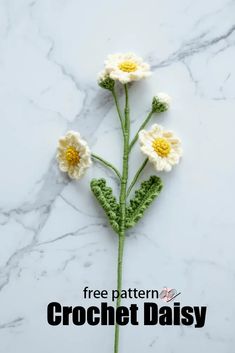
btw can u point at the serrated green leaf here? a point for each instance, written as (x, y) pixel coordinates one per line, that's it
(144, 196)
(104, 195)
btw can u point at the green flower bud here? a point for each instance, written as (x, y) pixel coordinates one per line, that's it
(161, 103)
(106, 82)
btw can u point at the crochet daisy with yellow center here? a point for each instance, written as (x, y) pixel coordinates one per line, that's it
(162, 147)
(73, 155)
(125, 67)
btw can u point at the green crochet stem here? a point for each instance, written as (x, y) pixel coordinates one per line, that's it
(149, 116)
(107, 164)
(118, 108)
(121, 215)
(136, 176)
(122, 199)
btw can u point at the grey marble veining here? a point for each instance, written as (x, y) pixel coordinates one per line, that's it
(54, 238)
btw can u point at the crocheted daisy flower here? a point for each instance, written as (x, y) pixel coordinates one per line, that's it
(126, 67)
(73, 155)
(161, 102)
(161, 146)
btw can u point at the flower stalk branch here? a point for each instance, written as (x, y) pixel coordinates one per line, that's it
(149, 116)
(107, 164)
(139, 171)
(118, 108)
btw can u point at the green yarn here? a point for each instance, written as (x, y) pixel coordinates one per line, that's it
(107, 83)
(104, 196)
(144, 196)
(158, 106)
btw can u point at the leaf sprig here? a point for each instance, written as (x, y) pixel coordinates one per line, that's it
(107, 200)
(144, 196)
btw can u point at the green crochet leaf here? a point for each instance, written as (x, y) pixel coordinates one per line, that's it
(104, 195)
(144, 196)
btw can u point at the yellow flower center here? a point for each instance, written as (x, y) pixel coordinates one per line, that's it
(161, 146)
(72, 156)
(128, 66)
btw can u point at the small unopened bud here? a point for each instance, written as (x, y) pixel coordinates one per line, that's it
(105, 81)
(161, 102)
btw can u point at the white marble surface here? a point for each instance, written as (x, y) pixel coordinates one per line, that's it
(54, 238)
